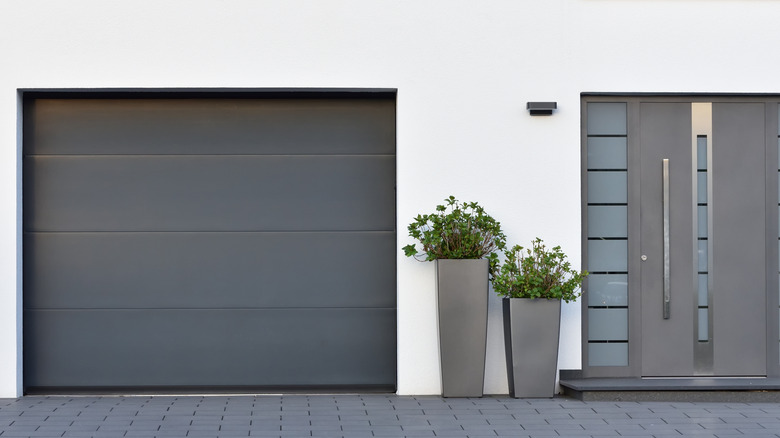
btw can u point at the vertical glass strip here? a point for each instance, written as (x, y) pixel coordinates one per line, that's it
(701, 123)
(607, 233)
(701, 235)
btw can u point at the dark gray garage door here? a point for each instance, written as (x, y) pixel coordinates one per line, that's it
(209, 242)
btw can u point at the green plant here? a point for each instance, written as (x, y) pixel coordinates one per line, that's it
(538, 273)
(457, 231)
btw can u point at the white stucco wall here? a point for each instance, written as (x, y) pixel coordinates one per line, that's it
(463, 70)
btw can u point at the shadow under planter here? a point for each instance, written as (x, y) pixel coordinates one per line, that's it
(462, 294)
(531, 330)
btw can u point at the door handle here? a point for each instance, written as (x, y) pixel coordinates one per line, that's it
(667, 298)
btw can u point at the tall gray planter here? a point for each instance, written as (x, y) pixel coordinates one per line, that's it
(531, 330)
(462, 293)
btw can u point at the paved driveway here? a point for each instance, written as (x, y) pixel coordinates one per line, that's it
(376, 415)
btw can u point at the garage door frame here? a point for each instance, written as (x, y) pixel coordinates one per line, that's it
(30, 94)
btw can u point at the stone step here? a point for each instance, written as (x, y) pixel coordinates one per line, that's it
(690, 389)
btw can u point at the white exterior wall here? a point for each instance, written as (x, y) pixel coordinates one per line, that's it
(463, 70)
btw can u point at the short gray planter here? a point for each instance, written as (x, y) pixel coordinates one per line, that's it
(531, 330)
(462, 294)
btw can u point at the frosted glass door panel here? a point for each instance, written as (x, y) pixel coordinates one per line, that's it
(701, 153)
(703, 325)
(607, 221)
(608, 256)
(607, 188)
(607, 290)
(703, 290)
(701, 187)
(607, 153)
(608, 324)
(606, 118)
(702, 256)
(607, 354)
(702, 220)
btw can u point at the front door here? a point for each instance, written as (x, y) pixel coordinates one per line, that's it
(702, 237)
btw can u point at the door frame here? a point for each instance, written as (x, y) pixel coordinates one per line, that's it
(632, 100)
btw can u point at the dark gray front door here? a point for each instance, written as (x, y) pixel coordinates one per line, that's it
(702, 238)
(210, 242)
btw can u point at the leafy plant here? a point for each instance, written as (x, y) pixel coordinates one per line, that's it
(456, 231)
(538, 273)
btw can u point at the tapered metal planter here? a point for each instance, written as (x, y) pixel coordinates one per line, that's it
(462, 291)
(531, 330)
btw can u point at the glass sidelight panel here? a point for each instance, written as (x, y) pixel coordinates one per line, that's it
(609, 324)
(607, 153)
(607, 233)
(607, 187)
(608, 221)
(608, 290)
(606, 118)
(608, 256)
(607, 354)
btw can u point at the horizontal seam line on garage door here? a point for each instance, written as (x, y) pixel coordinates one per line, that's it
(203, 231)
(203, 155)
(55, 309)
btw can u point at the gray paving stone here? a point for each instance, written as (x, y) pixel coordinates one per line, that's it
(22, 427)
(581, 421)
(542, 434)
(371, 415)
(277, 434)
(168, 433)
(530, 419)
(604, 434)
(504, 422)
(566, 427)
(112, 427)
(348, 422)
(266, 417)
(198, 421)
(752, 435)
(268, 427)
(581, 434)
(82, 428)
(631, 430)
(404, 422)
(235, 424)
(325, 422)
(98, 434)
(12, 433)
(328, 433)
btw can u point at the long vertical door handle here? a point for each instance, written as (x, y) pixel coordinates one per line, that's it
(667, 291)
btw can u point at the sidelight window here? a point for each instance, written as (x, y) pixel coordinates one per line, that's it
(607, 234)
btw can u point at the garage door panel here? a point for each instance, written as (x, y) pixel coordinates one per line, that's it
(210, 348)
(210, 193)
(206, 241)
(209, 270)
(195, 126)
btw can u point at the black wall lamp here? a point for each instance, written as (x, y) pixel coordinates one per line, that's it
(542, 108)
